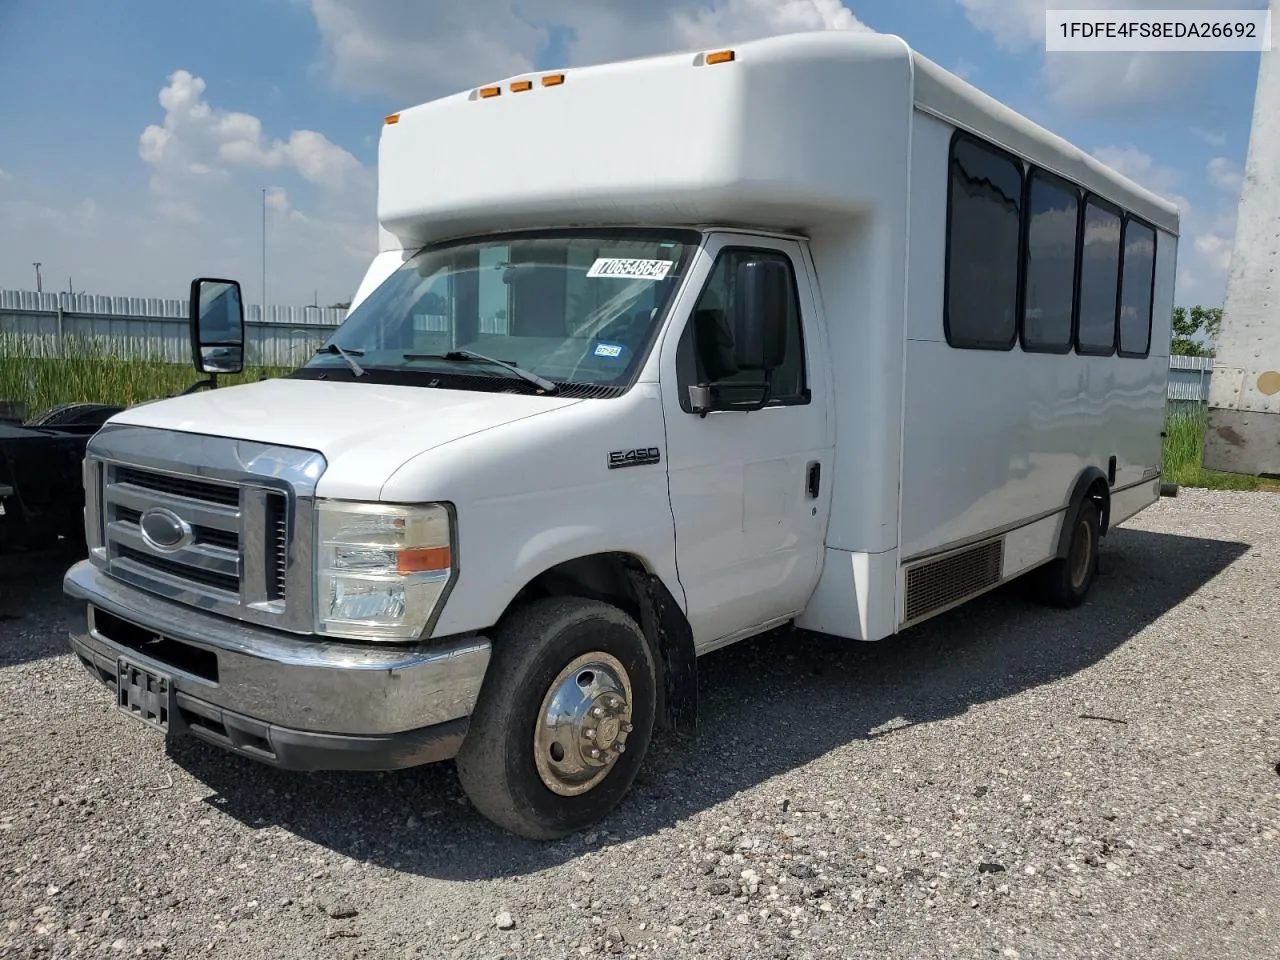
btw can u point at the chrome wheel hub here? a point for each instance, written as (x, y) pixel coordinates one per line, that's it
(583, 725)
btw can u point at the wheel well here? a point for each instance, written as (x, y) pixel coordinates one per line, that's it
(625, 582)
(1100, 494)
(1090, 485)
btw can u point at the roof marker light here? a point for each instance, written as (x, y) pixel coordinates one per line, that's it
(720, 56)
(392, 118)
(553, 80)
(520, 86)
(487, 92)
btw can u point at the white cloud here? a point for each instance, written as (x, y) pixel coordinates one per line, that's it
(1226, 175)
(1212, 137)
(419, 49)
(5, 177)
(208, 169)
(197, 140)
(1100, 83)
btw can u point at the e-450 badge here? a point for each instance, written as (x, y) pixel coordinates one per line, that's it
(640, 457)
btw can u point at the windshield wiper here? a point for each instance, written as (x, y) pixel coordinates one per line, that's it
(460, 356)
(347, 355)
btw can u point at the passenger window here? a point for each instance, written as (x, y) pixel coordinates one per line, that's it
(1049, 301)
(983, 242)
(1136, 289)
(706, 353)
(1099, 280)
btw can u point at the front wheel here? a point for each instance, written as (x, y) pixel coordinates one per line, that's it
(563, 720)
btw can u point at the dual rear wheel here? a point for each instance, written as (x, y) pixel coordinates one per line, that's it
(1065, 582)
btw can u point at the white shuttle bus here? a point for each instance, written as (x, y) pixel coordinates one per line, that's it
(656, 356)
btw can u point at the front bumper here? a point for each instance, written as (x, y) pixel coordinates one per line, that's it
(293, 702)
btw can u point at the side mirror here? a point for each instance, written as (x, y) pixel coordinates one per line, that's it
(217, 326)
(759, 314)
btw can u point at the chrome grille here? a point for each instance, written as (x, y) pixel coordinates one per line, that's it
(186, 487)
(244, 511)
(210, 563)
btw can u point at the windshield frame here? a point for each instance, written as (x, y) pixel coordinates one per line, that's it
(481, 377)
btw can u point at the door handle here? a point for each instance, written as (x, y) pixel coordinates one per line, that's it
(815, 479)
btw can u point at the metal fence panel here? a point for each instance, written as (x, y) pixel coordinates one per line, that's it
(152, 327)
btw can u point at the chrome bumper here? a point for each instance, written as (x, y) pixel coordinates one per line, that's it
(247, 678)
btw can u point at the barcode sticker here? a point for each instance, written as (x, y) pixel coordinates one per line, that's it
(620, 269)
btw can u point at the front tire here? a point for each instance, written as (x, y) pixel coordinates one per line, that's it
(563, 720)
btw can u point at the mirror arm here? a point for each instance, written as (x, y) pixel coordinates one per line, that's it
(211, 384)
(702, 398)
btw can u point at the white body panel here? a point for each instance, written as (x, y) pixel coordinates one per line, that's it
(921, 446)
(749, 538)
(993, 439)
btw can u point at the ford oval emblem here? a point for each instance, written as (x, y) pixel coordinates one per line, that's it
(164, 530)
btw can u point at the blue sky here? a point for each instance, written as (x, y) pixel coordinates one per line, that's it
(142, 134)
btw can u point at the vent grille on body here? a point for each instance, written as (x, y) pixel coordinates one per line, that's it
(277, 523)
(934, 585)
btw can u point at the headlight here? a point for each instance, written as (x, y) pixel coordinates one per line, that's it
(381, 569)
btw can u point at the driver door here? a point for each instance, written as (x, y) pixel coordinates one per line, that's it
(750, 491)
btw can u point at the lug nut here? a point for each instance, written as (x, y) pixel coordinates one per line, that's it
(621, 748)
(594, 753)
(627, 728)
(589, 734)
(597, 712)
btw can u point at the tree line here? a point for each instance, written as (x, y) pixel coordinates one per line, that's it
(1195, 331)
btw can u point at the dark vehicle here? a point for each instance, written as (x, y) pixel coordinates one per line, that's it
(41, 459)
(41, 488)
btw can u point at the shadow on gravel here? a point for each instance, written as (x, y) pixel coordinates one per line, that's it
(769, 705)
(35, 615)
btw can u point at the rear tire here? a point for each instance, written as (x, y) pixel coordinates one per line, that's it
(588, 666)
(1065, 582)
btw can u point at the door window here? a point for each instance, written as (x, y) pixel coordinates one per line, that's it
(706, 353)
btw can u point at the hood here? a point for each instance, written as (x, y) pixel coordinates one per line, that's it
(365, 431)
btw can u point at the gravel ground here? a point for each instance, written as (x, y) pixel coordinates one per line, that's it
(1005, 782)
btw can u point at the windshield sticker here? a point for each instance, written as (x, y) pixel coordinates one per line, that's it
(611, 350)
(625, 269)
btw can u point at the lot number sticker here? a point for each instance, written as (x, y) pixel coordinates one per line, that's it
(622, 269)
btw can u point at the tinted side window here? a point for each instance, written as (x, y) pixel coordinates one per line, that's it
(1048, 304)
(984, 235)
(1136, 290)
(1099, 280)
(707, 347)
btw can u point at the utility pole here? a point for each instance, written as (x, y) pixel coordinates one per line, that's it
(39, 282)
(1243, 434)
(264, 255)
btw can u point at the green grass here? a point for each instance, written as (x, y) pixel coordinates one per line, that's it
(85, 372)
(1184, 453)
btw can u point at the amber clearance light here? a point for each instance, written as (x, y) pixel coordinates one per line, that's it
(487, 92)
(720, 56)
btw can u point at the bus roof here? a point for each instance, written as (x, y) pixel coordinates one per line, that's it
(787, 133)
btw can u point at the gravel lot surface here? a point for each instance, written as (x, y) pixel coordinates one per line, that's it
(1004, 782)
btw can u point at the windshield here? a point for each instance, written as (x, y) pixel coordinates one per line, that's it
(571, 308)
